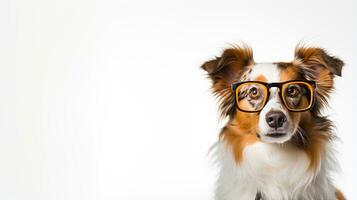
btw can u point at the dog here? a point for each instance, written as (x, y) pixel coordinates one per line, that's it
(276, 144)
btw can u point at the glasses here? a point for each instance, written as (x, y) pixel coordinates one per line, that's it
(297, 96)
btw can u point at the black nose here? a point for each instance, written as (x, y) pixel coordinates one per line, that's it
(275, 119)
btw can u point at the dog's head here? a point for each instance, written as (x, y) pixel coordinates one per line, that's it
(274, 101)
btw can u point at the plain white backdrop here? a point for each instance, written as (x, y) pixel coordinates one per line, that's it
(105, 99)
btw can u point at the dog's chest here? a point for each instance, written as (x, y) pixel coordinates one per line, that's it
(273, 164)
(275, 170)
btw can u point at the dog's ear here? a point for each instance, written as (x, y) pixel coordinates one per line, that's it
(317, 59)
(225, 70)
(318, 65)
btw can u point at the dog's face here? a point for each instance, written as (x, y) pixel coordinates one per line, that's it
(273, 123)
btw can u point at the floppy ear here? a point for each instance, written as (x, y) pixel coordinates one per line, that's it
(317, 65)
(318, 59)
(225, 70)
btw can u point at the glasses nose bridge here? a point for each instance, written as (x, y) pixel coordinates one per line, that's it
(274, 85)
(274, 93)
(270, 85)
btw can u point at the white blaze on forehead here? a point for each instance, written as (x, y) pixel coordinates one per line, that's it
(269, 70)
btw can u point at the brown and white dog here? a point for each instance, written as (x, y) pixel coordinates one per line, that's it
(275, 153)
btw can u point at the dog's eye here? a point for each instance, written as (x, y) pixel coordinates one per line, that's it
(293, 91)
(254, 93)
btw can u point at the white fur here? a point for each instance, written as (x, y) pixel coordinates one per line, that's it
(279, 172)
(269, 70)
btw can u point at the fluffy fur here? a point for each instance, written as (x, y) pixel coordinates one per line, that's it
(297, 166)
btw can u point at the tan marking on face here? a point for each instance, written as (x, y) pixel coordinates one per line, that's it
(261, 78)
(240, 133)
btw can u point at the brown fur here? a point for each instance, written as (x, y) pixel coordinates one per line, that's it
(339, 195)
(226, 69)
(316, 64)
(312, 140)
(240, 132)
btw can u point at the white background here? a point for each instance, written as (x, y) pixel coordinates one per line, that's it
(105, 99)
